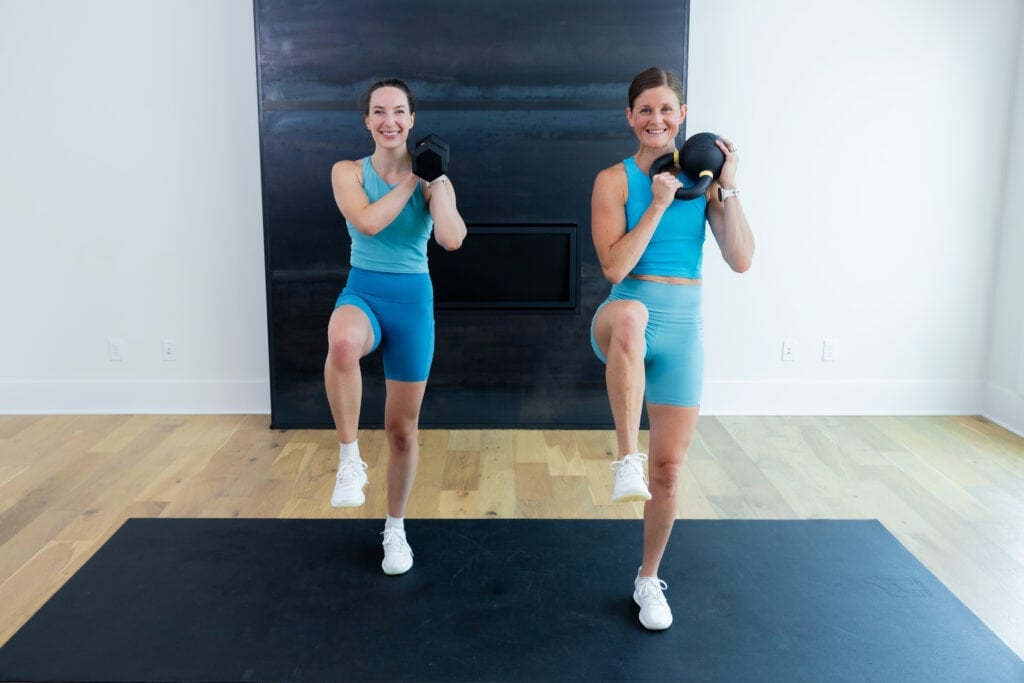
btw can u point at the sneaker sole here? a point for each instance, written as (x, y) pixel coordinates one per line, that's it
(396, 573)
(353, 503)
(645, 624)
(631, 498)
(348, 504)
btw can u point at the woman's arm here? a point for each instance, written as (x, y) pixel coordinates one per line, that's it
(368, 218)
(618, 250)
(728, 222)
(449, 228)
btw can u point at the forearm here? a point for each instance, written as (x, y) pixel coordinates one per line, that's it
(374, 217)
(449, 228)
(623, 255)
(736, 239)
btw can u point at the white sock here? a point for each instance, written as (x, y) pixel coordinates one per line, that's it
(394, 523)
(348, 450)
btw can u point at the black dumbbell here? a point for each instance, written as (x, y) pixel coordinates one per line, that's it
(430, 158)
(700, 159)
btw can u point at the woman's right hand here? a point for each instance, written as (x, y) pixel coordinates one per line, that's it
(663, 187)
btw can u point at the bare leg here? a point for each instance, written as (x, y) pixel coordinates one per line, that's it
(401, 424)
(672, 429)
(349, 337)
(619, 331)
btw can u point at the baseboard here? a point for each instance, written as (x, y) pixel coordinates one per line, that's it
(1005, 408)
(843, 398)
(134, 397)
(720, 398)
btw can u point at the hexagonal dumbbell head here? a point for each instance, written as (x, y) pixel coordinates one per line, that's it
(430, 158)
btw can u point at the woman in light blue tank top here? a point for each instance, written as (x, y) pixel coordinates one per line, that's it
(388, 302)
(649, 330)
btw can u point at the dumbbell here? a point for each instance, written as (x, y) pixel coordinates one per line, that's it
(430, 158)
(700, 159)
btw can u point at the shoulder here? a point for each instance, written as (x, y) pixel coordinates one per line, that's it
(347, 169)
(612, 181)
(613, 176)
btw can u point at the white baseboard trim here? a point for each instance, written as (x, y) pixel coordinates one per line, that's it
(843, 398)
(86, 397)
(1000, 405)
(1005, 408)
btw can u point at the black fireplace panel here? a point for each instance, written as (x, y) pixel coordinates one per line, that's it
(537, 268)
(531, 96)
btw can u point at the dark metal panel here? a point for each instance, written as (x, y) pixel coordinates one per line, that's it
(531, 96)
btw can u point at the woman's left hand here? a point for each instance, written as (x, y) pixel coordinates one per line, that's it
(727, 177)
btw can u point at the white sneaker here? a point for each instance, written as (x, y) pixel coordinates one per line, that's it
(655, 614)
(630, 482)
(397, 553)
(348, 488)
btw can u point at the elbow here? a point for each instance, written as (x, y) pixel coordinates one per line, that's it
(368, 229)
(450, 244)
(614, 275)
(741, 266)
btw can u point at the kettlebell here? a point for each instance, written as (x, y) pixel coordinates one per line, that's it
(699, 158)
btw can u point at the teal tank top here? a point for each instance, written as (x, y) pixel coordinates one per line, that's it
(677, 247)
(402, 246)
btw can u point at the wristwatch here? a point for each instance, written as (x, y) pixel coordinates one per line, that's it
(724, 194)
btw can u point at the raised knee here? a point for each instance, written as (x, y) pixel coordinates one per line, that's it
(629, 330)
(344, 350)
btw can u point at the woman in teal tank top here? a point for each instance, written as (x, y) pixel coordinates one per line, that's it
(387, 302)
(649, 330)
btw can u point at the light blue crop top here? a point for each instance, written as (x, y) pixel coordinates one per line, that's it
(402, 246)
(677, 247)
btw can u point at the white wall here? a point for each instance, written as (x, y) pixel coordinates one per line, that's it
(130, 207)
(874, 145)
(1005, 392)
(873, 137)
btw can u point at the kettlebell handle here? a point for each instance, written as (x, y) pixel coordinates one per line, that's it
(668, 161)
(699, 159)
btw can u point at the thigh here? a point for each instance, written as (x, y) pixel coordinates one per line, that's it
(623, 315)
(357, 325)
(409, 350)
(402, 404)
(672, 429)
(675, 373)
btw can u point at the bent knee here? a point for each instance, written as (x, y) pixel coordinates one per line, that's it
(629, 327)
(345, 348)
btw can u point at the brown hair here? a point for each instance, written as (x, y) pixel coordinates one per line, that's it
(654, 78)
(386, 83)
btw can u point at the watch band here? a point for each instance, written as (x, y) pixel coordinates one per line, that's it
(724, 194)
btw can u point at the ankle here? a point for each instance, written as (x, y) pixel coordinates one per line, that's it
(348, 451)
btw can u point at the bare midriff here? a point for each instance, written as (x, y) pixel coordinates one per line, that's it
(668, 280)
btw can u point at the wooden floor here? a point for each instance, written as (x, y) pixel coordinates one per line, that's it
(950, 488)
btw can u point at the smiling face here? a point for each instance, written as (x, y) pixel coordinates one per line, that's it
(389, 119)
(655, 117)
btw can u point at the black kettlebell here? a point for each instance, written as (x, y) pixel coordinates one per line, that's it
(700, 159)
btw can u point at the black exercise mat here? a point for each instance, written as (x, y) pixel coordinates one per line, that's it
(502, 600)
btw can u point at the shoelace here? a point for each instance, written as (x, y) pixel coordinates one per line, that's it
(649, 589)
(634, 460)
(394, 540)
(347, 468)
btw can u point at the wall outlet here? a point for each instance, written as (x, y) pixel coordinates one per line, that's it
(789, 350)
(115, 349)
(829, 348)
(170, 350)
